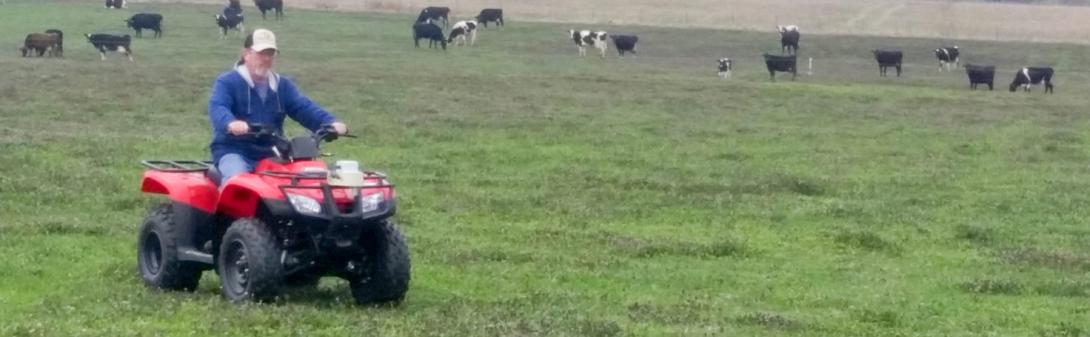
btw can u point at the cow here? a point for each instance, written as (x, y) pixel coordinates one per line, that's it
(946, 56)
(789, 39)
(40, 43)
(116, 4)
(141, 21)
(58, 50)
(270, 5)
(463, 30)
(1027, 77)
(787, 64)
(888, 58)
(980, 74)
(430, 31)
(434, 14)
(108, 42)
(490, 15)
(625, 43)
(584, 38)
(725, 67)
(227, 22)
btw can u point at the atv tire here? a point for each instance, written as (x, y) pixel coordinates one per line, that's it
(157, 253)
(249, 262)
(385, 274)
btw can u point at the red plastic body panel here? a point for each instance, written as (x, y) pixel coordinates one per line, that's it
(190, 188)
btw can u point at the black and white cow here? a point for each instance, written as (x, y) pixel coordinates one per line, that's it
(887, 59)
(464, 30)
(1027, 77)
(789, 39)
(230, 21)
(787, 64)
(434, 14)
(430, 31)
(116, 4)
(584, 38)
(108, 42)
(276, 6)
(141, 21)
(946, 56)
(980, 74)
(490, 15)
(726, 65)
(625, 43)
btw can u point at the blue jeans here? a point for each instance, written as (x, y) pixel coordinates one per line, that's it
(233, 164)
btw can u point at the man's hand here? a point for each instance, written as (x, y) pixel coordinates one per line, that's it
(340, 128)
(238, 128)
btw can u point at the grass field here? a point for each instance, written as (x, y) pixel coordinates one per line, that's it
(548, 195)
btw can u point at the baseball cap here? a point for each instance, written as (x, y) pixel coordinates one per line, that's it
(261, 39)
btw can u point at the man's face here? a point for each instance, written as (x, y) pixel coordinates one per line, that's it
(259, 62)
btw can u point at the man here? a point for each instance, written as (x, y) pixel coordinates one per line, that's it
(254, 93)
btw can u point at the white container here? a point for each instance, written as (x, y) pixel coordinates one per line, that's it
(346, 173)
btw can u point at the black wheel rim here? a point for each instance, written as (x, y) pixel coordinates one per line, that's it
(151, 254)
(236, 267)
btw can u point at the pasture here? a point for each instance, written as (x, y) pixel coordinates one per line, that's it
(544, 194)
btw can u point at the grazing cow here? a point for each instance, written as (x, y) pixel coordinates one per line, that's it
(980, 74)
(462, 30)
(888, 58)
(227, 22)
(430, 31)
(490, 15)
(625, 43)
(785, 64)
(108, 42)
(116, 4)
(725, 67)
(1027, 77)
(789, 39)
(141, 21)
(40, 43)
(434, 14)
(58, 50)
(270, 5)
(946, 56)
(586, 38)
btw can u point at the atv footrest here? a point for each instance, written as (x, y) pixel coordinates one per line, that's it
(178, 165)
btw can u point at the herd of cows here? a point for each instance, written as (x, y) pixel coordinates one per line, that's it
(426, 27)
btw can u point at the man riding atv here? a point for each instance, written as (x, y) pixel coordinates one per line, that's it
(253, 94)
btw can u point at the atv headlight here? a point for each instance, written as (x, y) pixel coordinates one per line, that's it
(304, 204)
(370, 202)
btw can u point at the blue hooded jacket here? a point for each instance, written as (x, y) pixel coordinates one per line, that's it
(235, 98)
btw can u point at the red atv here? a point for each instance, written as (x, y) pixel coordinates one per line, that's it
(290, 222)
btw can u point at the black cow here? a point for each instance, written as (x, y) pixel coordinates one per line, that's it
(787, 64)
(107, 42)
(625, 43)
(142, 21)
(789, 39)
(116, 4)
(888, 58)
(1027, 77)
(230, 21)
(430, 31)
(58, 50)
(980, 74)
(946, 56)
(725, 67)
(490, 15)
(270, 5)
(434, 14)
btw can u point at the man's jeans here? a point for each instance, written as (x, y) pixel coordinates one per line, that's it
(233, 164)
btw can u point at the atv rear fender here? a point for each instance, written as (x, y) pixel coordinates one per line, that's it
(193, 198)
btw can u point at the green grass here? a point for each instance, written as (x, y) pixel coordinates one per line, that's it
(544, 194)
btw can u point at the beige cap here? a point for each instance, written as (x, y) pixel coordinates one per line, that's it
(263, 39)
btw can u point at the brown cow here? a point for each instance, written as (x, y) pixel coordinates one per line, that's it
(40, 42)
